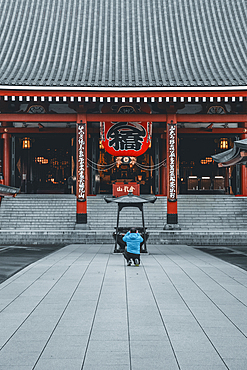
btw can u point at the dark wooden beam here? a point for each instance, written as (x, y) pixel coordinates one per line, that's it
(37, 130)
(189, 118)
(218, 130)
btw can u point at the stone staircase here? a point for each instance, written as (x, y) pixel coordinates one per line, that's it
(38, 212)
(207, 212)
(42, 218)
(102, 215)
(212, 212)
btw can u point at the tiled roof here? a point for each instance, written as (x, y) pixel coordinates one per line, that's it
(123, 43)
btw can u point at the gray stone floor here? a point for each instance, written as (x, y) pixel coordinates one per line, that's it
(82, 308)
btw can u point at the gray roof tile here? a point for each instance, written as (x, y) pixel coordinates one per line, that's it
(123, 43)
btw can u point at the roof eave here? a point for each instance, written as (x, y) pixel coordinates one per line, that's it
(141, 92)
(125, 88)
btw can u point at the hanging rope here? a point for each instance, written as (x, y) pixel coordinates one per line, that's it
(101, 165)
(101, 169)
(150, 168)
(107, 167)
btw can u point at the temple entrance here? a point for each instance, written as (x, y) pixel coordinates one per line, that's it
(197, 171)
(43, 163)
(125, 170)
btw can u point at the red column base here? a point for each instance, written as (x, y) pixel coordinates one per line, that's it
(172, 212)
(172, 218)
(81, 218)
(81, 212)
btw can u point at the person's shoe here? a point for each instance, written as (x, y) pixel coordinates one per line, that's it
(129, 263)
(137, 263)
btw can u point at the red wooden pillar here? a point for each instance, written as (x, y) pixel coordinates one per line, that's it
(171, 147)
(244, 170)
(81, 169)
(6, 158)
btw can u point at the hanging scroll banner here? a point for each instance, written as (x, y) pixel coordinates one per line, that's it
(81, 160)
(126, 138)
(172, 161)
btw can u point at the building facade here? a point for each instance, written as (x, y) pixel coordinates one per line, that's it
(107, 96)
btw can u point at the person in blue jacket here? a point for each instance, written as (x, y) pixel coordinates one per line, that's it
(132, 252)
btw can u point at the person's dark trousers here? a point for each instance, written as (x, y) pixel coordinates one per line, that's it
(128, 256)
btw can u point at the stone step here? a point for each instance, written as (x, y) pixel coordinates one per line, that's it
(41, 212)
(196, 237)
(206, 211)
(38, 214)
(59, 212)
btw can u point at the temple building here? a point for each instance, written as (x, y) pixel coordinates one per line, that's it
(107, 96)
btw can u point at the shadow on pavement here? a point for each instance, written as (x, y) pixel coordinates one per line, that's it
(14, 258)
(235, 255)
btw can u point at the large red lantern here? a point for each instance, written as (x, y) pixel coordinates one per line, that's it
(126, 138)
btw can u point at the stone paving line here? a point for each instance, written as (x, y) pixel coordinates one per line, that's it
(83, 308)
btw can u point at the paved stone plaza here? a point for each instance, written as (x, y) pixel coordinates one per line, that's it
(82, 308)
